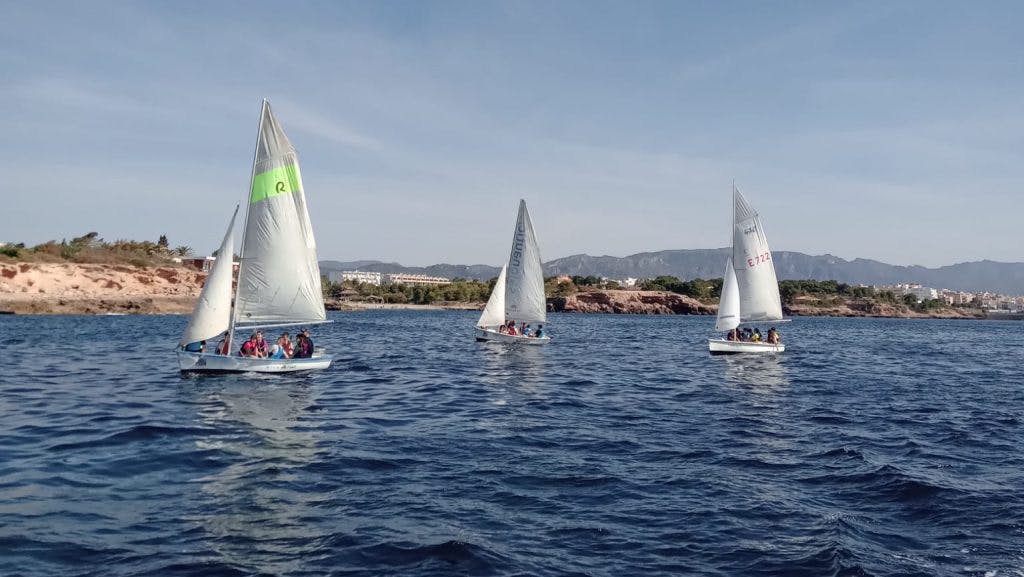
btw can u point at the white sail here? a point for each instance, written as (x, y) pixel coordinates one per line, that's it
(212, 314)
(524, 289)
(729, 304)
(494, 312)
(752, 261)
(279, 278)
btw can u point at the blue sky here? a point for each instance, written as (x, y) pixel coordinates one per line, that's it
(885, 130)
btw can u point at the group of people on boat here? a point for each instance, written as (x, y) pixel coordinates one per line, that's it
(754, 336)
(524, 329)
(257, 346)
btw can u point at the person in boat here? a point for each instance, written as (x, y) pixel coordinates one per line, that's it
(286, 344)
(309, 341)
(512, 328)
(261, 346)
(773, 336)
(526, 330)
(522, 329)
(503, 329)
(303, 346)
(732, 336)
(756, 337)
(224, 346)
(249, 348)
(197, 347)
(539, 333)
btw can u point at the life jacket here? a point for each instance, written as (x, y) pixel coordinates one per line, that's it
(248, 349)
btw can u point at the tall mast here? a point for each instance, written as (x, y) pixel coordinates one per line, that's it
(732, 225)
(245, 223)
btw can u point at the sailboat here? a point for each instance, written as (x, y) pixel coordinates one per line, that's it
(518, 294)
(278, 277)
(750, 290)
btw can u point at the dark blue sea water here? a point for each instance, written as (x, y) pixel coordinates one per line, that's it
(872, 447)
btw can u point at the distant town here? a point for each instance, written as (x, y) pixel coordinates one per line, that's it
(991, 302)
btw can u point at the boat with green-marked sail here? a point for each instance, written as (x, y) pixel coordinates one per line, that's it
(278, 276)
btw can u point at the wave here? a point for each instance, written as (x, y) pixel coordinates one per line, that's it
(454, 556)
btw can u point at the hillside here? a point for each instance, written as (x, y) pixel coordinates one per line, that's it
(71, 288)
(1005, 278)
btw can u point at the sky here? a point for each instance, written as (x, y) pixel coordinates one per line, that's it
(883, 130)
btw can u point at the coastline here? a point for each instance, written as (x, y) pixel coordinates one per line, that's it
(83, 289)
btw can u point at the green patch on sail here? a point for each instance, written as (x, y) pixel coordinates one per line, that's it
(284, 180)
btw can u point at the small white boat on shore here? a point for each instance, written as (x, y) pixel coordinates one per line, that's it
(750, 290)
(278, 277)
(518, 294)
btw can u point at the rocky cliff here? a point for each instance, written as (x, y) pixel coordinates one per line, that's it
(68, 288)
(630, 302)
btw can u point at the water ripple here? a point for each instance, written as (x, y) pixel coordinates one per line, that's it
(872, 447)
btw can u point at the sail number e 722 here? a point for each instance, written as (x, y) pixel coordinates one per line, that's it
(756, 260)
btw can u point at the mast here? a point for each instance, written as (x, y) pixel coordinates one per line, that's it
(245, 224)
(732, 225)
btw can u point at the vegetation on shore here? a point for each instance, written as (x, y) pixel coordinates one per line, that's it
(459, 290)
(806, 293)
(90, 249)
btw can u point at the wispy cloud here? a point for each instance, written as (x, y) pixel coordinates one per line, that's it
(622, 127)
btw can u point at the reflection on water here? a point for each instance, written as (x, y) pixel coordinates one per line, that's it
(758, 373)
(522, 367)
(262, 496)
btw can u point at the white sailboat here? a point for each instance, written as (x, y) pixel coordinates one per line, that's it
(518, 294)
(750, 290)
(278, 278)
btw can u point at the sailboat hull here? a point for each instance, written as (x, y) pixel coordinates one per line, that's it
(724, 347)
(212, 363)
(495, 336)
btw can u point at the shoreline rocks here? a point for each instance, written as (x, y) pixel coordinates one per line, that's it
(71, 288)
(630, 302)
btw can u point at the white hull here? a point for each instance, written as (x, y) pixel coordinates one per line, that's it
(724, 347)
(212, 363)
(493, 335)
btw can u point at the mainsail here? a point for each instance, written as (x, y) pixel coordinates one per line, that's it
(752, 261)
(729, 304)
(279, 278)
(212, 314)
(494, 312)
(524, 289)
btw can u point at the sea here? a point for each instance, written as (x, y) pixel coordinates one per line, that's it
(870, 447)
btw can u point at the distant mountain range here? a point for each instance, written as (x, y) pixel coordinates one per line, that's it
(986, 275)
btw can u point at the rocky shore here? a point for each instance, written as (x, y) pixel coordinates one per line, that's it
(856, 308)
(630, 303)
(68, 288)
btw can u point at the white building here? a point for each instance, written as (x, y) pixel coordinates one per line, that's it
(362, 277)
(923, 293)
(414, 279)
